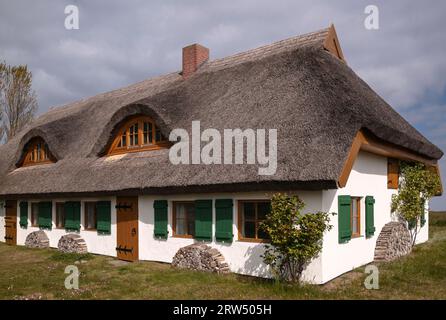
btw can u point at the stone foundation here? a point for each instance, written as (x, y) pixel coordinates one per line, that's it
(37, 239)
(200, 257)
(393, 242)
(72, 243)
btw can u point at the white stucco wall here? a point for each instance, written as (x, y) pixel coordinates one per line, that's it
(242, 257)
(423, 234)
(367, 178)
(100, 244)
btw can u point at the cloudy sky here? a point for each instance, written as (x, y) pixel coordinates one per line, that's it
(122, 42)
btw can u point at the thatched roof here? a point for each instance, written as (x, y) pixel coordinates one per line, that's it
(314, 100)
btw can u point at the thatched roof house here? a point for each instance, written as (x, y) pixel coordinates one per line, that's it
(76, 169)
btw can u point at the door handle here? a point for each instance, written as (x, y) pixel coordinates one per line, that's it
(133, 232)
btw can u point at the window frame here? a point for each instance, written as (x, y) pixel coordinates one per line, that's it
(35, 214)
(125, 131)
(393, 173)
(31, 151)
(93, 203)
(60, 224)
(240, 221)
(358, 218)
(174, 220)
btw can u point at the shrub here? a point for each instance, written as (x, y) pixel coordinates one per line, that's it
(417, 185)
(296, 238)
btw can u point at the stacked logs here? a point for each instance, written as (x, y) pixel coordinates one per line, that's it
(393, 242)
(37, 239)
(200, 257)
(72, 243)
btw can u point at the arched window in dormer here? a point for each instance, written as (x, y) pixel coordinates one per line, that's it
(37, 152)
(138, 134)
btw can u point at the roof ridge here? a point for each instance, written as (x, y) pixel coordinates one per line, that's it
(268, 49)
(221, 62)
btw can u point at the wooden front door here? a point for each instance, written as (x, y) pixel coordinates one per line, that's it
(11, 222)
(127, 228)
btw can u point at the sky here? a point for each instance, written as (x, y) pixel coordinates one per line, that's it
(123, 42)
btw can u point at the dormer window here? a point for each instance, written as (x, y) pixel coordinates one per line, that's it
(138, 134)
(37, 152)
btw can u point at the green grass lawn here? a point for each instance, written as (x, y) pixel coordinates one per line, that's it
(39, 274)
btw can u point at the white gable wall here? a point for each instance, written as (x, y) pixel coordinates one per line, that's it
(367, 178)
(423, 234)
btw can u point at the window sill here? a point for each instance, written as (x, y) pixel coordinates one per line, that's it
(31, 164)
(183, 236)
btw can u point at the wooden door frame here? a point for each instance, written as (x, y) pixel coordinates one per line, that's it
(119, 200)
(12, 203)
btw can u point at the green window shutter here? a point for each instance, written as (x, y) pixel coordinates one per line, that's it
(160, 207)
(203, 220)
(223, 220)
(45, 214)
(344, 219)
(24, 214)
(72, 215)
(369, 216)
(103, 210)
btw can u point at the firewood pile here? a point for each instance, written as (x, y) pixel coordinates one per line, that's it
(200, 257)
(393, 242)
(72, 243)
(37, 239)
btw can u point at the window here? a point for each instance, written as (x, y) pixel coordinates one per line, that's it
(251, 213)
(90, 216)
(37, 152)
(356, 216)
(60, 215)
(184, 219)
(35, 214)
(138, 134)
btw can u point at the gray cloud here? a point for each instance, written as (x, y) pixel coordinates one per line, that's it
(124, 42)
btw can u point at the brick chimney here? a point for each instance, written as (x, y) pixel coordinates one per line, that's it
(193, 57)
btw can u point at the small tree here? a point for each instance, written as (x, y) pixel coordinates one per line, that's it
(418, 184)
(296, 238)
(18, 102)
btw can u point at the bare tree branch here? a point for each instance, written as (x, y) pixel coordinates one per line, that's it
(18, 103)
